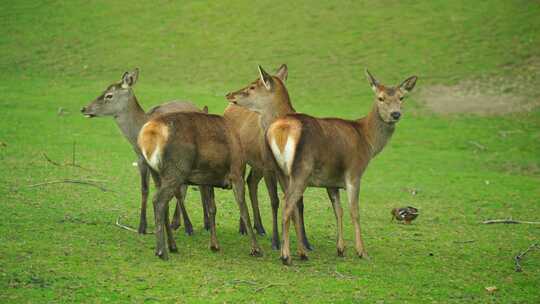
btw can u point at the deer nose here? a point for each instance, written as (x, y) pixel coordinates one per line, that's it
(83, 109)
(395, 115)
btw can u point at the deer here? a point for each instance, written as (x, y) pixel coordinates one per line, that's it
(119, 101)
(194, 149)
(247, 124)
(332, 153)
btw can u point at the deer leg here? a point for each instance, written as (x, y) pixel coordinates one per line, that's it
(294, 188)
(170, 236)
(301, 251)
(239, 193)
(253, 179)
(208, 193)
(293, 194)
(161, 199)
(180, 196)
(204, 203)
(271, 186)
(333, 194)
(303, 226)
(181, 207)
(143, 170)
(353, 191)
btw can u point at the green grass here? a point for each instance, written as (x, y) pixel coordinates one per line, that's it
(59, 242)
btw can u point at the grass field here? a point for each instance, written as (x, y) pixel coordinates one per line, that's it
(58, 242)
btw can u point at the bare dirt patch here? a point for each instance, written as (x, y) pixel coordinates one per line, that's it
(517, 90)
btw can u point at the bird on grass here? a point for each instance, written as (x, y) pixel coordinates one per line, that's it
(405, 214)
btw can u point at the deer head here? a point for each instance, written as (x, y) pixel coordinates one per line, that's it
(388, 100)
(114, 100)
(263, 93)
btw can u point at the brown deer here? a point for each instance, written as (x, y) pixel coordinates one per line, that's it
(323, 152)
(195, 149)
(248, 125)
(119, 101)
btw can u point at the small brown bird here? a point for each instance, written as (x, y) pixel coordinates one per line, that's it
(405, 214)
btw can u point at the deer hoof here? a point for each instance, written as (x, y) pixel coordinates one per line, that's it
(275, 245)
(173, 249)
(303, 257)
(363, 255)
(286, 260)
(162, 255)
(214, 248)
(260, 230)
(307, 245)
(256, 252)
(189, 230)
(341, 252)
(142, 229)
(175, 225)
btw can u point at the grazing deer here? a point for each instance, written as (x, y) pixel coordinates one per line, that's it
(195, 149)
(248, 125)
(323, 152)
(119, 101)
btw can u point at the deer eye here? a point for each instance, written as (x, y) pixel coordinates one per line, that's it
(252, 87)
(401, 98)
(380, 99)
(108, 96)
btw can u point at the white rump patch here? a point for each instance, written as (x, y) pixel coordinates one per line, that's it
(153, 160)
(284, 159)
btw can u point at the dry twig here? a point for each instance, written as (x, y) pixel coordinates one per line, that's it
(520, 256)
(47, 158)
(509, 221)
(89, 182)
(268, 286)
(465, 242)
(118, 224)
(479, 146)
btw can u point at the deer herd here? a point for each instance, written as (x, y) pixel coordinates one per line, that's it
(179, 144)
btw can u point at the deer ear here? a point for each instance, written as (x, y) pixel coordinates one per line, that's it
(372, 81)
(408, 84)
(205, 109)
(283, 72)
(265, 78)
(130, 78)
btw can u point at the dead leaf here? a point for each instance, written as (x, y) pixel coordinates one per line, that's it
(491, 289)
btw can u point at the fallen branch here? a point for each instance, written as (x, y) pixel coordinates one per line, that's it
(237, 281)
(465, 242)
(118, 224)
(268, 286)
(73, 181)
(47, 158)
(479, 146)
(509, 221)
(50, 160)
(520, 256)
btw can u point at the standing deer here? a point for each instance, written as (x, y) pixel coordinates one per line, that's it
(119, 101)
(248, 125)
(195, 149)
(323, 152)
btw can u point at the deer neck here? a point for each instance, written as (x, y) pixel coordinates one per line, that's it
(376, 131)
(131, 120)
(279, 106)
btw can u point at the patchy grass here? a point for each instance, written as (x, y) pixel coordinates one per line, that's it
(59, 242)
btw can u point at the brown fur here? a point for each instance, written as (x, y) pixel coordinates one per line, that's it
(152, 137)
(201, 149)
(249, 126)
(330, 152)
(119, 101)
